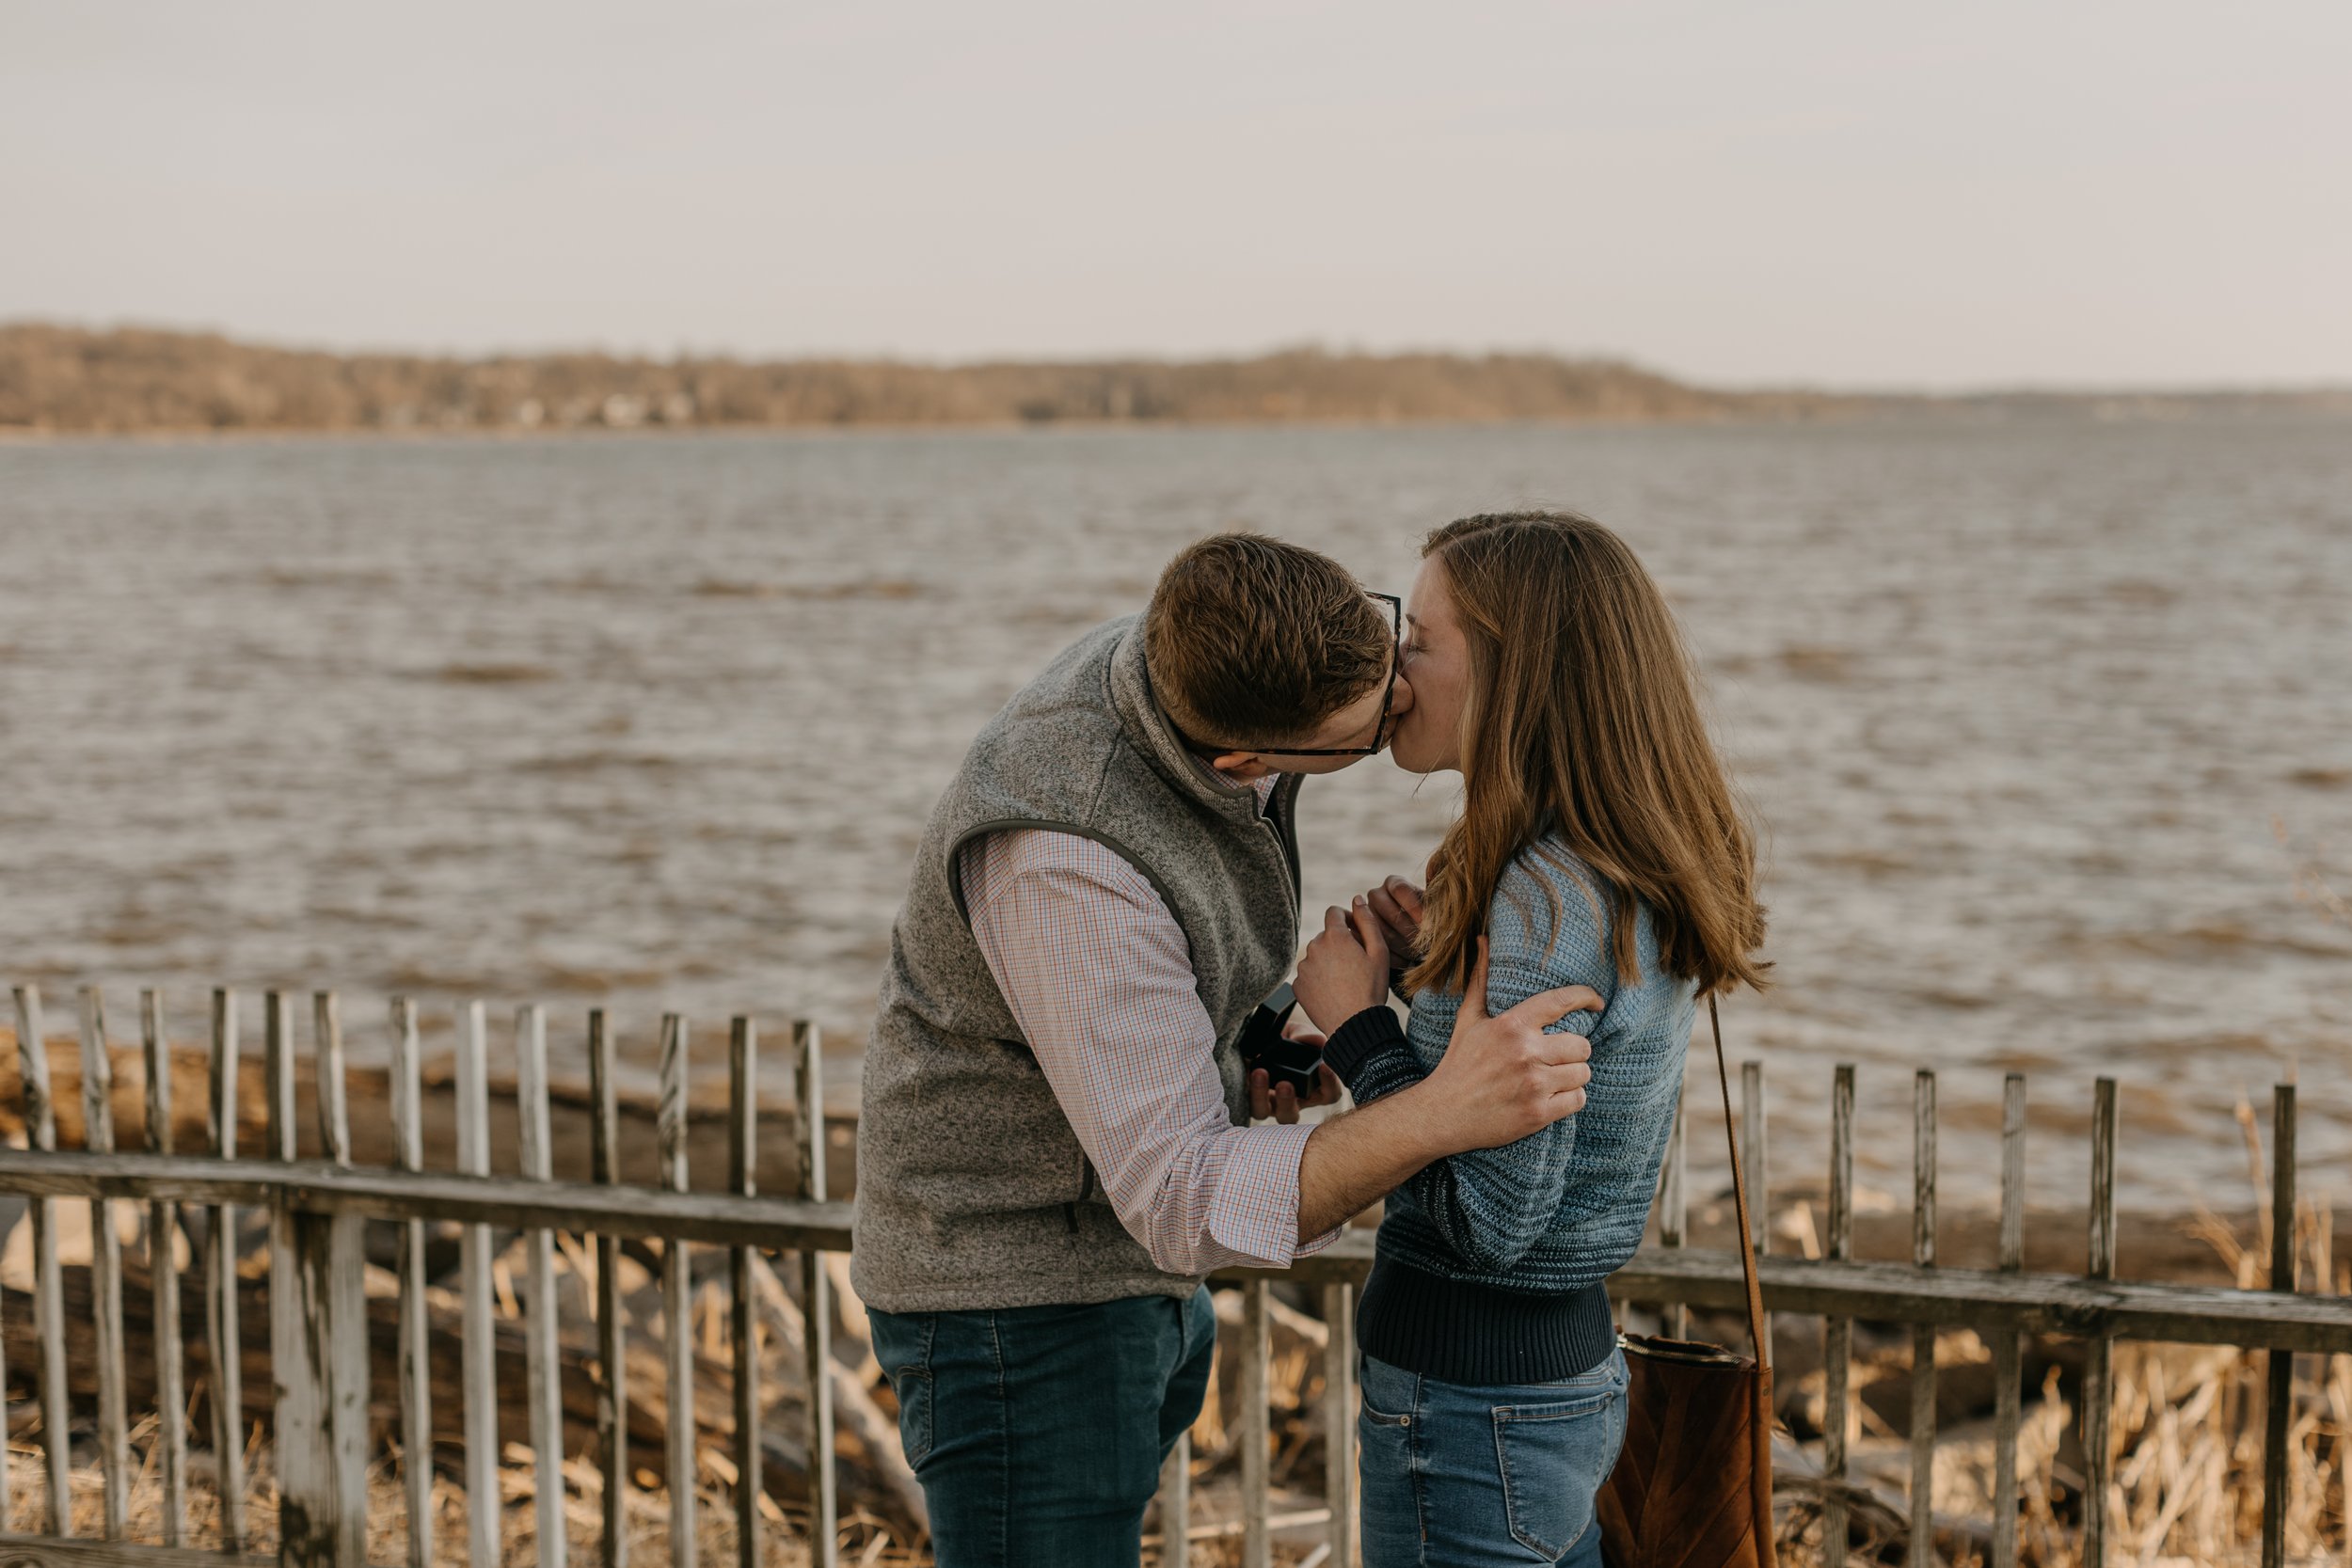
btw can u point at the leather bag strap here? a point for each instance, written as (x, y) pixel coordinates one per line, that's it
(1740, 1198)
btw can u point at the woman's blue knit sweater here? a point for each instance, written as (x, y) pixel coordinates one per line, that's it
(1490, 1263)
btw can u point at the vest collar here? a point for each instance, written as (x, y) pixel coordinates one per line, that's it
(1147, 726)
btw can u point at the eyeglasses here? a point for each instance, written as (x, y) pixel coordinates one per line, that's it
(1388, 697)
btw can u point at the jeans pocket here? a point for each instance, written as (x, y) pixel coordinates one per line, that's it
(913, 1389)
(903, 1344)
(1388, 1394)
(1554, 1458)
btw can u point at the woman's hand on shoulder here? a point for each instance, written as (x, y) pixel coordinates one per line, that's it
(1345, 970)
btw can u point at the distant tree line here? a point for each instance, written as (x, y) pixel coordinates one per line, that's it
(68, 379)
(130, 380)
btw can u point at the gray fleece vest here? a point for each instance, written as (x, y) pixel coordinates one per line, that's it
(971, 1189)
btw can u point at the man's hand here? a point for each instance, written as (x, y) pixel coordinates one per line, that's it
(1282, 1103)
(1502, 1078)
(1345, 970)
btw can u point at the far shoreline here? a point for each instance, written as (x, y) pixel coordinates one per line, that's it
(1927, 412)
(70, 383)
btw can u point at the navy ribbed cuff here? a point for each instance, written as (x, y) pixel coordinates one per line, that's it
(1355, 1042)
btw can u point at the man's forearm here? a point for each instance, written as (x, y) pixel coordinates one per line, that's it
(1352, 1161)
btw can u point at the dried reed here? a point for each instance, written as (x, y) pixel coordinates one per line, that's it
(2188, 1432)
(864, 1540)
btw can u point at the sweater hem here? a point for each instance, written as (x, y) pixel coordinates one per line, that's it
(1480, 1336)
(1025, 1290)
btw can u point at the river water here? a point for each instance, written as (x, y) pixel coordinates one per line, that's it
(649, 723)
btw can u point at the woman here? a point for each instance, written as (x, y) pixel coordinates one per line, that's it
(1599, 845)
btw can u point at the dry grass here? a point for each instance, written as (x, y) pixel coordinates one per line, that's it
(2187, 1428)
(2188, 1474)
(783, 1540)
(867, 1542)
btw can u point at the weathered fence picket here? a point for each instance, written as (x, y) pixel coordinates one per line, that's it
(1759, 1194)
(1923, 1335)
(1339, 1419)
(319, 1342)
(678, 1327)
(224, 1335)
(1176, 1502)
(329, 1085)
(318, 1328)
(743, 1340)
(2280, 1388)
(808, 1061)
(2099, 1353)
(479, 1354)
(604, 1155)
(1673, 1208)
(2008, 1344)
(534, 1151)
(163, 1276)
(41, 1127)
(416, 1347)
(98, 1134)
(48, 1279)
(1837, 1332)
(1254, 1436)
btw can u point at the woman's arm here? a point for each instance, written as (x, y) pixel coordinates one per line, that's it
(1492, 1205)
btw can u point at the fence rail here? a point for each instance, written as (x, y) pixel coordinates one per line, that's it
(319, 1345)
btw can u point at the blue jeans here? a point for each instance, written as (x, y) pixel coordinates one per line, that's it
(1465, 1478)
(1037, 1431)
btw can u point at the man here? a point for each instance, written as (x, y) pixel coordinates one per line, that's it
(1056, 1144)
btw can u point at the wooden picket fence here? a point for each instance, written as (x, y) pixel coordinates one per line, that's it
(319, 1345)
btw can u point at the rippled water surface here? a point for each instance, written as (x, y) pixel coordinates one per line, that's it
(648, 723)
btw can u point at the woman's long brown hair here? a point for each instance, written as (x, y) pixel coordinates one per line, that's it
(1581, 724)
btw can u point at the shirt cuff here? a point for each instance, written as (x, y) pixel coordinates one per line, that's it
(1360, 1038)
(1254, 1214)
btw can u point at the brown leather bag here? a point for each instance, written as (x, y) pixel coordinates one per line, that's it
(1693, 1485)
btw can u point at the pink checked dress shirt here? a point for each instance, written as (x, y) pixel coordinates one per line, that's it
(1097, 972)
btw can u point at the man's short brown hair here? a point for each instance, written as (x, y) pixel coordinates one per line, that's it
(1252, 642)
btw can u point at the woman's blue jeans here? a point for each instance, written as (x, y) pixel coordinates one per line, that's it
(1458, 1477)
(1037, 1431)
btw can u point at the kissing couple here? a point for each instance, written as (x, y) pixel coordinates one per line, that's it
(1061, 1137)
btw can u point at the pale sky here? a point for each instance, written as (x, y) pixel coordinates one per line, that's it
(1840, 193)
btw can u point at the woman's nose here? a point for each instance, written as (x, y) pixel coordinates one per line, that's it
(1401, 700)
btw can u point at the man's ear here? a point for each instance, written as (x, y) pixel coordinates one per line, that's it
(1240, 767)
